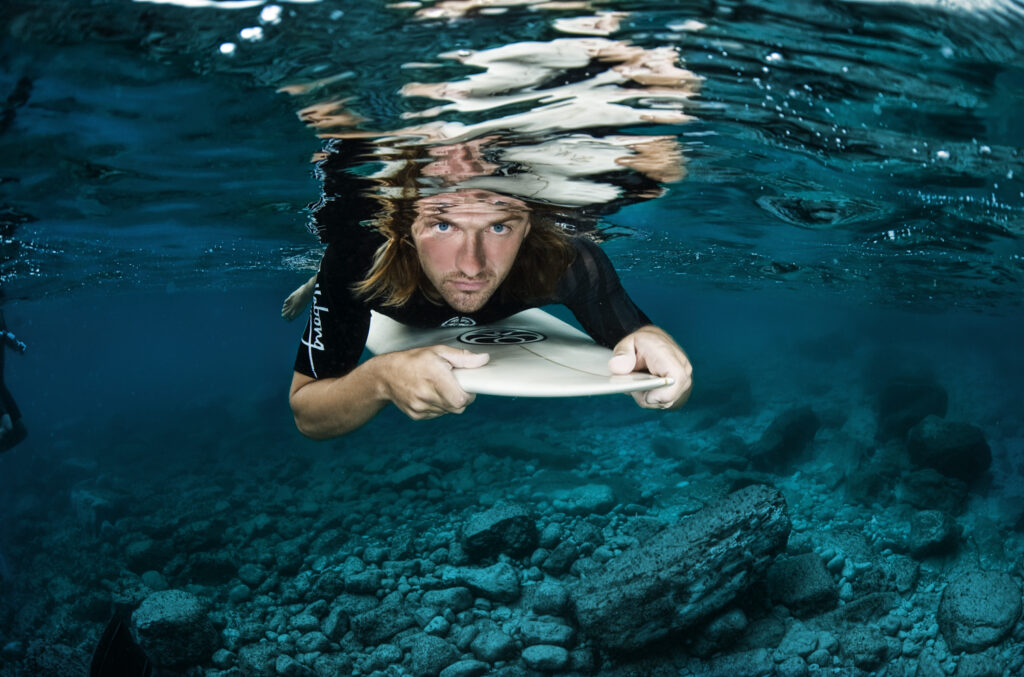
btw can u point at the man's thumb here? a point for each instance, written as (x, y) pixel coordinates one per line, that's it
(624, 359)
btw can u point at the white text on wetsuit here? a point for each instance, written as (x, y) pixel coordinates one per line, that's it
(316, 324)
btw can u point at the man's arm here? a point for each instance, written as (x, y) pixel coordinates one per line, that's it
(419, 382)
(651, 349)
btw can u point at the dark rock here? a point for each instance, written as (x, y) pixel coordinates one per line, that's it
(684, 574)
(979, 665)
(930, 490)
(866, 647)
(409, 476)
(955, 449)
(545, 658)
(146, 554)
(545, 453)
(290, 555)
(802, 584)
(430, 655)
(504, 528)
(979, 609)
(493, 645)
(173, 629)
(561, 558)
(784, 441)
(549, 598)
(466, 668)
(200, 535)
(932, 532)
(893, 574)
(498, 582)
(589, 499)
(456, 599)
(546, 632)
(763, 633)
(720, 634)
(331, 664)
(753, 663)
(286, 666)
(905, 402)
(365, 582)
(382, 623)
(866, 609)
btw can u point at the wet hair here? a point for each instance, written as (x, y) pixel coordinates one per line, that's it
(396, 273)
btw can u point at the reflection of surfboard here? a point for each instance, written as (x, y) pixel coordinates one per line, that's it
(533, 354)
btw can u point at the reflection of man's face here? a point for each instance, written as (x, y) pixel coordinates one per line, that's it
(467, 242)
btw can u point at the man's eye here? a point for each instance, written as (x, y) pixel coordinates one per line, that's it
(499, 228)
(442, 226)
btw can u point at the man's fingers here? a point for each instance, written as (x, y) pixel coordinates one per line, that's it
(462, 359)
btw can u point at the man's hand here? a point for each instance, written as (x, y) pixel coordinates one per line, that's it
(651, 349)
(420, 381)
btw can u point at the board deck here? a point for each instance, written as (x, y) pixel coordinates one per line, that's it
(533, 354)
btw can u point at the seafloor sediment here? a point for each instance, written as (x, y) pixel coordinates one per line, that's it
(864, 530)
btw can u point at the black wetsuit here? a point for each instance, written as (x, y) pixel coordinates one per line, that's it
(339, 321)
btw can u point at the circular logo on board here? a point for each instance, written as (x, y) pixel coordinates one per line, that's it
(459, 321)
(500, 337)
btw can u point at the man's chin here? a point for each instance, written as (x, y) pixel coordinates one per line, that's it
(467, 303)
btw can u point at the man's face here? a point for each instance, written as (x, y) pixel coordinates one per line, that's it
(467, 242)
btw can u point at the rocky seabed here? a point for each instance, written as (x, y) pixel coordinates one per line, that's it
(721, 540)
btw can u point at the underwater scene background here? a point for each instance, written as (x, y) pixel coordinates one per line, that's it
(825, 211)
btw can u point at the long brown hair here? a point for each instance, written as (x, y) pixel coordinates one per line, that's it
(396, 273)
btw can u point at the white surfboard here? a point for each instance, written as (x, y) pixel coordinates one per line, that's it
(533, 354)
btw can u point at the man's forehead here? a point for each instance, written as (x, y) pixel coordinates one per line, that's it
(471, 201)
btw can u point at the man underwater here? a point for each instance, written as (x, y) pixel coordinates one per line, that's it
(470, 256)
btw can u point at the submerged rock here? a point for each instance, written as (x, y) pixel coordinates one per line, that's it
(932, 532)
(785, 439)
(173, 629)
(955, 449)
(504, 528)
(684, 574)
(979, 609)
(802, 584)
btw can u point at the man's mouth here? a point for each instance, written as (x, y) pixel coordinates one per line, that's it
(468, 285)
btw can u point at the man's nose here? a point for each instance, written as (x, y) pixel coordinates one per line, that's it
(471, 259)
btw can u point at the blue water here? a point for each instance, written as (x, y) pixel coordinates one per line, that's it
(852, 209)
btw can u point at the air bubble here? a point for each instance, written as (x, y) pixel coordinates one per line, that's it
(228, 48)
(774, 57)
(942, 154)
(985, 150)
(947, 52)
(271, 14)
(253, 34)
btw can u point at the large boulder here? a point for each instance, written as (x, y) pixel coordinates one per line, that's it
(172, 627)
(954, 449)
(785, 439)
(979, 609)
(686, 573)
(504, 528)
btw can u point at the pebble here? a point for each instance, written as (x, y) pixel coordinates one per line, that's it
(545, 658)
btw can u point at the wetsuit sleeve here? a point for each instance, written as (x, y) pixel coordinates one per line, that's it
(338, 323)
(591, 289)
